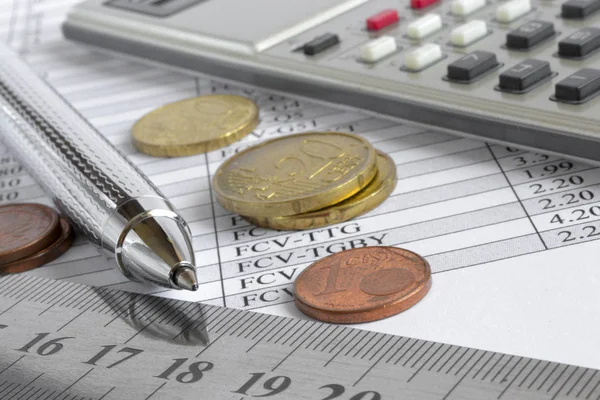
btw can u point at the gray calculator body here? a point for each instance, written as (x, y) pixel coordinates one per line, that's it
(265, 42)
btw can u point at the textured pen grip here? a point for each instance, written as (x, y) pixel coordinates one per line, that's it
(87, 177)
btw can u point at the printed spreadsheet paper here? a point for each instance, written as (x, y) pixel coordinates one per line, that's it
(510, 235)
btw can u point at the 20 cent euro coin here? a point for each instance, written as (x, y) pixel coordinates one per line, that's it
(295, 174)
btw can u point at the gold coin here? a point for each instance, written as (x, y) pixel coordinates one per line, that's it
(194, 126)
(295, 174)
(364, 201)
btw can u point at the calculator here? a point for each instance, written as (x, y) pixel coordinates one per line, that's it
(518, 72)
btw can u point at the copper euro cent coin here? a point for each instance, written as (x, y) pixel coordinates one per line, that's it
(26, 229)
(46, 255)
(362, 285)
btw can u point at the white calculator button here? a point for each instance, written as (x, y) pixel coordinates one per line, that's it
(512, 10)
(466, 34)
(378, 48)
(424, 26)
(466, 7)
(422, 57)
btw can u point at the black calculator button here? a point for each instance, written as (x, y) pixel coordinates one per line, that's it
(320, 43)
(578, 9)
(579, 86)
(524, 75)
(471, 66)
(580, 43)
(529, 34)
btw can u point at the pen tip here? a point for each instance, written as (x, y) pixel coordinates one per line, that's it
(185, 277)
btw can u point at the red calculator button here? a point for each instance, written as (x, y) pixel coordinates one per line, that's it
(422, 3)
(382, 19)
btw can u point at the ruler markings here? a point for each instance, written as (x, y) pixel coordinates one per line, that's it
(373, 365)
(548, 377)
(62, 301)
(294, 350)
(513, 380)
(229, 318)
(422, 366)
(266, 331)
(205, 317)
(460, 380)
(457, 361)
(529, 373)
(148, 308)
(286, 326)
(107, 393)
(557, 379)
(77, 381)
(255, 324)
(153, 393)
(17, 289)
(11, 307)
(383, 347)
(223, 316)
(512, 369)
(331, 328)
(502, 367)
(291, 331)
(11, 285)
(422, 343)
(372, 347)
(48, 292)
(27, 394)
(564, 384)
(13, 363)
(414, 342)
(26, 386)
(167, 309)
(326, 337)
(367, 341)
(456, 348)
(585, 371)
(239, 324)
(593, 390)
(356, 333)
(341, 340)
(301, 337)
(501, 356)
(465, 364)
(398, 349)
(212, 342)
(358, 339)
(423, 355)
(225, 323)
(257, 320)
(469, 359)
(546, 365)
(71, 320)
(264, 325)
(12, 386)
(112, 309)
(313, 335)
(448, 347)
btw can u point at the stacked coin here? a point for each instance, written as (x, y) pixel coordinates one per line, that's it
(197, 125)
(305, 181)
(31, 235)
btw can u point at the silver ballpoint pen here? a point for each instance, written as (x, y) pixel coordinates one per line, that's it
(103, 195)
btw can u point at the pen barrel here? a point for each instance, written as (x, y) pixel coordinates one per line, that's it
(92, 183)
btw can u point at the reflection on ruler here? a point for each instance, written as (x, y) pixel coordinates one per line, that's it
(60, 340)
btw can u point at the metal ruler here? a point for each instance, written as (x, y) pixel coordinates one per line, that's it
(64, 341)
